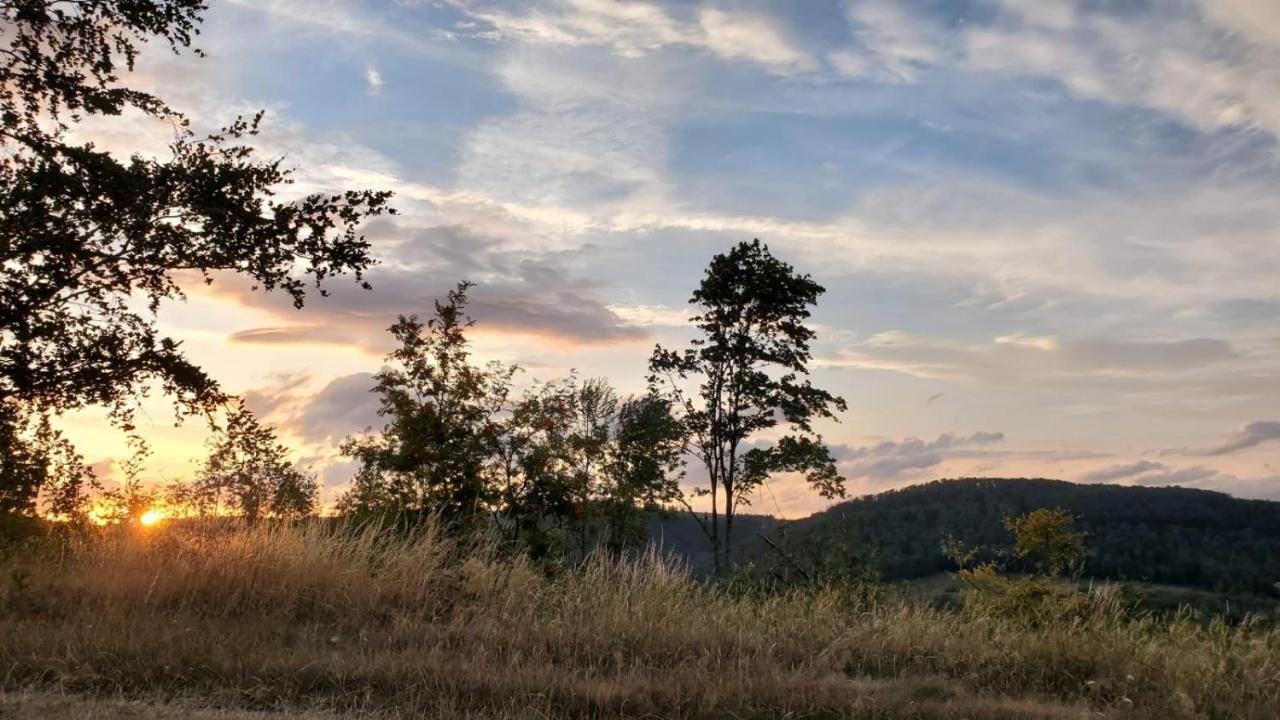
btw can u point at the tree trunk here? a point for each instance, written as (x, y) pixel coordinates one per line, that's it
(728, 535)
(717, 568)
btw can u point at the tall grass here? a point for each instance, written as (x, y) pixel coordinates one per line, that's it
(310, 617)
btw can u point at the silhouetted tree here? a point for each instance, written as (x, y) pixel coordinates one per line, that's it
(749, 365)
(533, 469)
(32, 455)
(581, 468)
(127, 502)
(644, 469)
(593, 411)
(248, 474)
(91, 244)
(442, 426)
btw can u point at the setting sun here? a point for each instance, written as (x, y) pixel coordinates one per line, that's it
(150, 517)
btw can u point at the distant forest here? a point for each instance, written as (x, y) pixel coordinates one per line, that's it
(1151, 534)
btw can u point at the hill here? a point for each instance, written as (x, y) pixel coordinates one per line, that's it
(1172, 535)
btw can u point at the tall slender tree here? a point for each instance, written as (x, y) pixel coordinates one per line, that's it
(744, 376)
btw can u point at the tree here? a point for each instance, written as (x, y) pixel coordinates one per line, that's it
(750, 365)
(645, 468)
(92, 244)
(32, 452)
(532, 469)
(581, 468)
(247, 473)
(593, 410)
(578, 468)
(1048, 539)
(433, 454)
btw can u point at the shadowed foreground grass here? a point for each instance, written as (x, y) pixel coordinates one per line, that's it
(307, 621)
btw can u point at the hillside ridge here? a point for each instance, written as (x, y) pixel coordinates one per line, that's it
(1175, 535)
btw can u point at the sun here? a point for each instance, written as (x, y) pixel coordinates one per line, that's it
(150, 517)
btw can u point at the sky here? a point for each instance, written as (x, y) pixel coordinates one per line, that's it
(1049, 230)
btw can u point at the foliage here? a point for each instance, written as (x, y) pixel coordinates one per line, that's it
(32, 452)
(1033, 600)
(126, 503)
(92, 244)
(562, 469)
(1048, 540)
(442, 426)
(579, 467)
(644, 470)
(749, 364)
(540, 496)
(248, 474)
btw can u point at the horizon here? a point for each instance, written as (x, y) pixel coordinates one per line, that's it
(1047, 230)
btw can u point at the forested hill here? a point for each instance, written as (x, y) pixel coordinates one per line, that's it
(1155, 534)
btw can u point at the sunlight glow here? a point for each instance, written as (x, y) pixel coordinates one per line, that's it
(150, 517)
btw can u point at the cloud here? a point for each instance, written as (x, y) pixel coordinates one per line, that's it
(893, 44)
(586, 137)
(103, 470)
(981, 438)
(894, 458)
(630, 29)
(1017, 358)
(516, 293)
(1184, 476)
(1251, 435)
(344, 406)
(373, 79)
(653, 315)
(1256, 20)
(735, 35)
(263, 401)
(1169, 61)
(634, 29)
(1119, 472)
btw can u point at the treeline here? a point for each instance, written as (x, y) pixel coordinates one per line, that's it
(1170, 535)
(561, 468)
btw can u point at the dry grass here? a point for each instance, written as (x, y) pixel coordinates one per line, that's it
(305, 620)
(29, 705)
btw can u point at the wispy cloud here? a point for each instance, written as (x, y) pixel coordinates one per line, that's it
(891, 459)
(1121, 472)
(1169, 61)
(1183, 476)
(632, 29)
(517, 295)
(892, 43)
(1020, 358)
(1251, 435)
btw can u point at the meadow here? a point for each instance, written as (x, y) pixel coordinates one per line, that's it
(308, 621)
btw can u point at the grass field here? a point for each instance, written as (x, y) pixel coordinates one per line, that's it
(216, 623)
